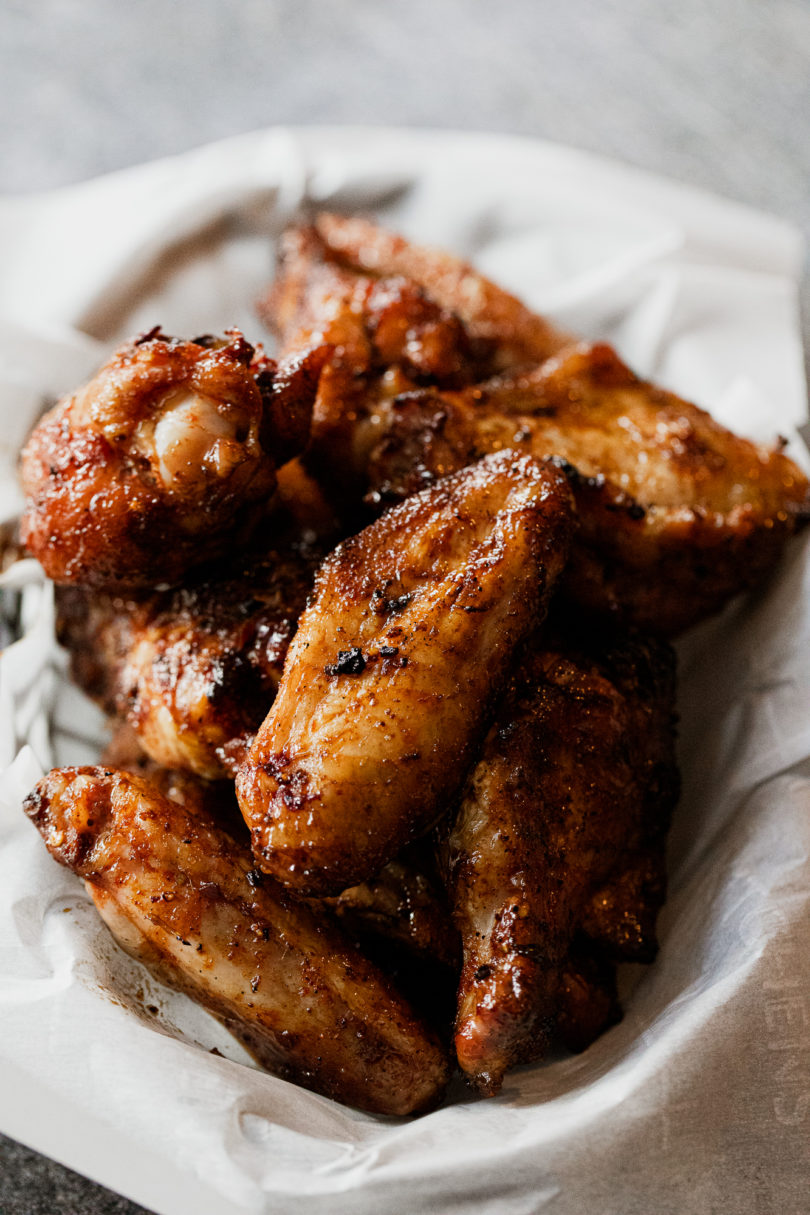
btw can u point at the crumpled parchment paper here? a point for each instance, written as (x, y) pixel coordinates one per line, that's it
(699, 1100)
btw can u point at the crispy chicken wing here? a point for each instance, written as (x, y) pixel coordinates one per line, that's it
(182, 896)
(490, 314)
(676, 513)
(195, 669)
(165, 459)
(386, 687)
(385, 335)
(576, 773)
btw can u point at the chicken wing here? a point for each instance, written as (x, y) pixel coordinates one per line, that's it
(515, 334)
(166, 458)
(676, 513)
(386, 687)
(577, 771)
(193, 670)
(386, 336)
(181, 895)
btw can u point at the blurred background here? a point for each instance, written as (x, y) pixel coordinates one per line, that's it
(714, 93)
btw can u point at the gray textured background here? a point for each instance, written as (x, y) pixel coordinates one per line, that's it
(712, 92)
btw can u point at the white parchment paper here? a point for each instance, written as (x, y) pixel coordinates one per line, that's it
(699, 1101)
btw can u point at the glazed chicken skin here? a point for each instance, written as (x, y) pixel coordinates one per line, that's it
(676, 513)
(576, 777)
(406, 642)
(195, 669)
(182, 896)
(167, 458)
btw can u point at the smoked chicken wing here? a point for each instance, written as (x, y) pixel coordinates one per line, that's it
(676, 513)
(577, 773)
(514, 333)
(195, 669)
(167, 458)
(386, 335)
(385, 692)
(181, 894)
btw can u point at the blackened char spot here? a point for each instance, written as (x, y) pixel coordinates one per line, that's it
(349, 662)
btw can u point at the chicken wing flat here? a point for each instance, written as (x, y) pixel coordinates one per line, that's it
(165, 459)
(489, 314)
(676, 513)
(577, 773)
(181, 895)
(386, 687)
(195, 669)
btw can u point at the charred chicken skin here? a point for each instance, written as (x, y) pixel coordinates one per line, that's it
(163, 460)
(181, 895)
(194, 669)
(576, 774)
(676, 513)
(407, 640)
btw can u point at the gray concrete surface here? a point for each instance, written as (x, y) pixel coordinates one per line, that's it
(712, 92)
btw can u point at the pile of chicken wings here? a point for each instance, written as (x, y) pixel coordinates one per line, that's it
(384, 628)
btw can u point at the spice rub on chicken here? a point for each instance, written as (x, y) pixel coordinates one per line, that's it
(513, 334)
(167, 458)
(407, 641)
(181, 894)
(386, 335)
(574, 785)
(474, 795)
(677, 514)
(194, 669)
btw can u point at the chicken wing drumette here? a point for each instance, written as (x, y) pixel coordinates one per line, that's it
(195, 669)
(575, 782)
(182, 895)
(387, 684)
(168, 457)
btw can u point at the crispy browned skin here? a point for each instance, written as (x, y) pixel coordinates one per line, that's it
(97, 629)
(576, 772)
(214, 798)
(676, 513)
(489, 313)
(193, 670)
(179, 893)
(386, 687)
(385, 336)
(166, 458)
(371, 323)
